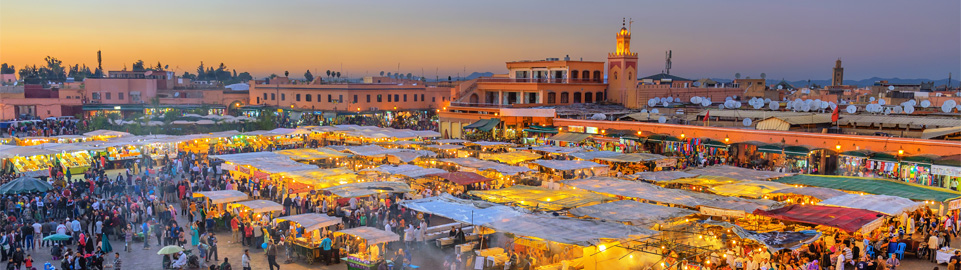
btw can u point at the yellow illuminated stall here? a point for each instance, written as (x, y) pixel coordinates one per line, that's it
(308, 230)
(367, 246)
(512, 157)
(542, 198)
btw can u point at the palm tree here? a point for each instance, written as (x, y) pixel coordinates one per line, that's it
(381, 73)
(338, 74)
(737, 75)
(328, 73)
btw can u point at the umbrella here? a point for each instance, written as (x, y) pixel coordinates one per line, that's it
(25, 185)
(169, 250)
(57, 237)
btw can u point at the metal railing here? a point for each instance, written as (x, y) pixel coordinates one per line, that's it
(541, 80)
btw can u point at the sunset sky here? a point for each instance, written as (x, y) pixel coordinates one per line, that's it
(795, 40)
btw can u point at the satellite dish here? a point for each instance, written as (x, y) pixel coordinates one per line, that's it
(887, 111)
(598, 116)
(694, 100)
(758, 105)
(774, 105)
(832, 105)
(871, 99)
(851, 109)
(897, 109)
(652, 102)
(670, 99)
(767, 100)
(909, 109)
(728, 99)
(747, 122)
(779, 87)
(665, 104)
(654, 111)
(696, 84)
(825, 104)
(948, 105)
(925, 103)
(738, 104)
(882, 102)
(890, 87)
(705, 102)
(644, 111)
(806, 107)
(720, 106)
(662, 119)
(912, 102)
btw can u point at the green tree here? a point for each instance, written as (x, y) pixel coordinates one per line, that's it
(187, 75)
(409, 76)
(328, 73)
(244, 77)
(7, 69)
(338, 74)
(309, 77)
(201, 72)
(381, 73)
(159, 66)
(286, 73)
(138, 66)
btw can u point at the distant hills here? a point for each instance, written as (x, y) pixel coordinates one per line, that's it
(864, 82)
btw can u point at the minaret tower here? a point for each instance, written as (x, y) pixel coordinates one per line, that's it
(838, 78)
(622, 71)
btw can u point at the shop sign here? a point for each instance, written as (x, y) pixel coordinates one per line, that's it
(946, 170)
(228, 167)
(667, 162)
(243, 170)
(954, 204)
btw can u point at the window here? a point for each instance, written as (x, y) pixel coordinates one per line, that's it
(597, 75)
(368, 98)
(68, 97)
(433, 99)
(320, 98)
(588, 98)
(389, 98)
(379, 98)
(330, 98)
(273, 96)
(552, 97)
(585, 75)
(355, 98)
(396, 98)
(107, 96)
(95, 96)
(615, 75)
(306, 97)
(120, 96)
(258, 100)
(297, 97)
(415, 97)
(574, 74)
(565, 97)
(340, 98)
(265, 97)
(405, 97)
(577, 97)
(422, 97)
(283, 96)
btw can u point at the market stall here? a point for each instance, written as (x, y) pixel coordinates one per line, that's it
(255, 210)
(453, 182)
(633, 213)
(569, 169)
(214, 202)
(659, 176)
(737, 172)
(748, 189)
(846, 219)
(22, 159)
(512, 158)
(317, 179)
(889, 205)
(364, 189)
(367, 247)
(804, 194)
(307, 232)
(873, 186)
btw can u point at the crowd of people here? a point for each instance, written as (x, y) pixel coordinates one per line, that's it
(42, 128)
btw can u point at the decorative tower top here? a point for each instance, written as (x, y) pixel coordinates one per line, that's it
(623, 41)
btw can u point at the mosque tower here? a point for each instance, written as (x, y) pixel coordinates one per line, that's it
(622, 71)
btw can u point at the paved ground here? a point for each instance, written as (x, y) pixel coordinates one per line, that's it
(427, 258)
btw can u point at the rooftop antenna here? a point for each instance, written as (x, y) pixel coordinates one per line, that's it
(630, 22)
(667, 62)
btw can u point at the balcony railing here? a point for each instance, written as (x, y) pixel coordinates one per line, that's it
(542, 80)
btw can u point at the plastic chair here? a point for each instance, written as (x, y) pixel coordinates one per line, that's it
(869, 250)
(900, 250)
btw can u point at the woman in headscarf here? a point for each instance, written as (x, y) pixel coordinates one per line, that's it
(105, 245)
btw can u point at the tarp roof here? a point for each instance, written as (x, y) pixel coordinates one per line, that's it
(661, 175)
(462, 178)
(269, 162)
(311, 153)
(592, 155)
(816, 192)
(372, 235)
(454, 141)
(570, 137)
(651, 192)
(260, 206)
(554, 149)
(872, 186)
(938, 132)
(103, 132)
(750, 189)
(513, 157)
(444, 146)
(412, 171)
(460, 210)
(487, 165)
(24, 151)
(563, 230)
(778, 240)
(311, 221)
(541, 198)
(487, 143)
(368, 188)
(737, 172)
(633, 212)
(322, 178)
(848, 219)
(889, 205)
(703, 180)
(568, 165)
(222, 196)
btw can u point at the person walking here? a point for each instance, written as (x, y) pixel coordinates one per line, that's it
(116, 261)
(212, 242)
(245, 260)
(272, 255)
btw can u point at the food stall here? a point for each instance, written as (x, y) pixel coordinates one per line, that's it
(214, 203)
(366, 247)
(307, 230)
(453, 182)
(255, 210)
(26, 158)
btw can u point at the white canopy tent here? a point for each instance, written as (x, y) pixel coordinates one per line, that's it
(371, 235)
(368, 188)
(564, 230)
(260, 206)
(460, 210)
(222, 196)
(311, 221)
(890, 205)
(412, 171)
(633, 212)
(478, 164)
